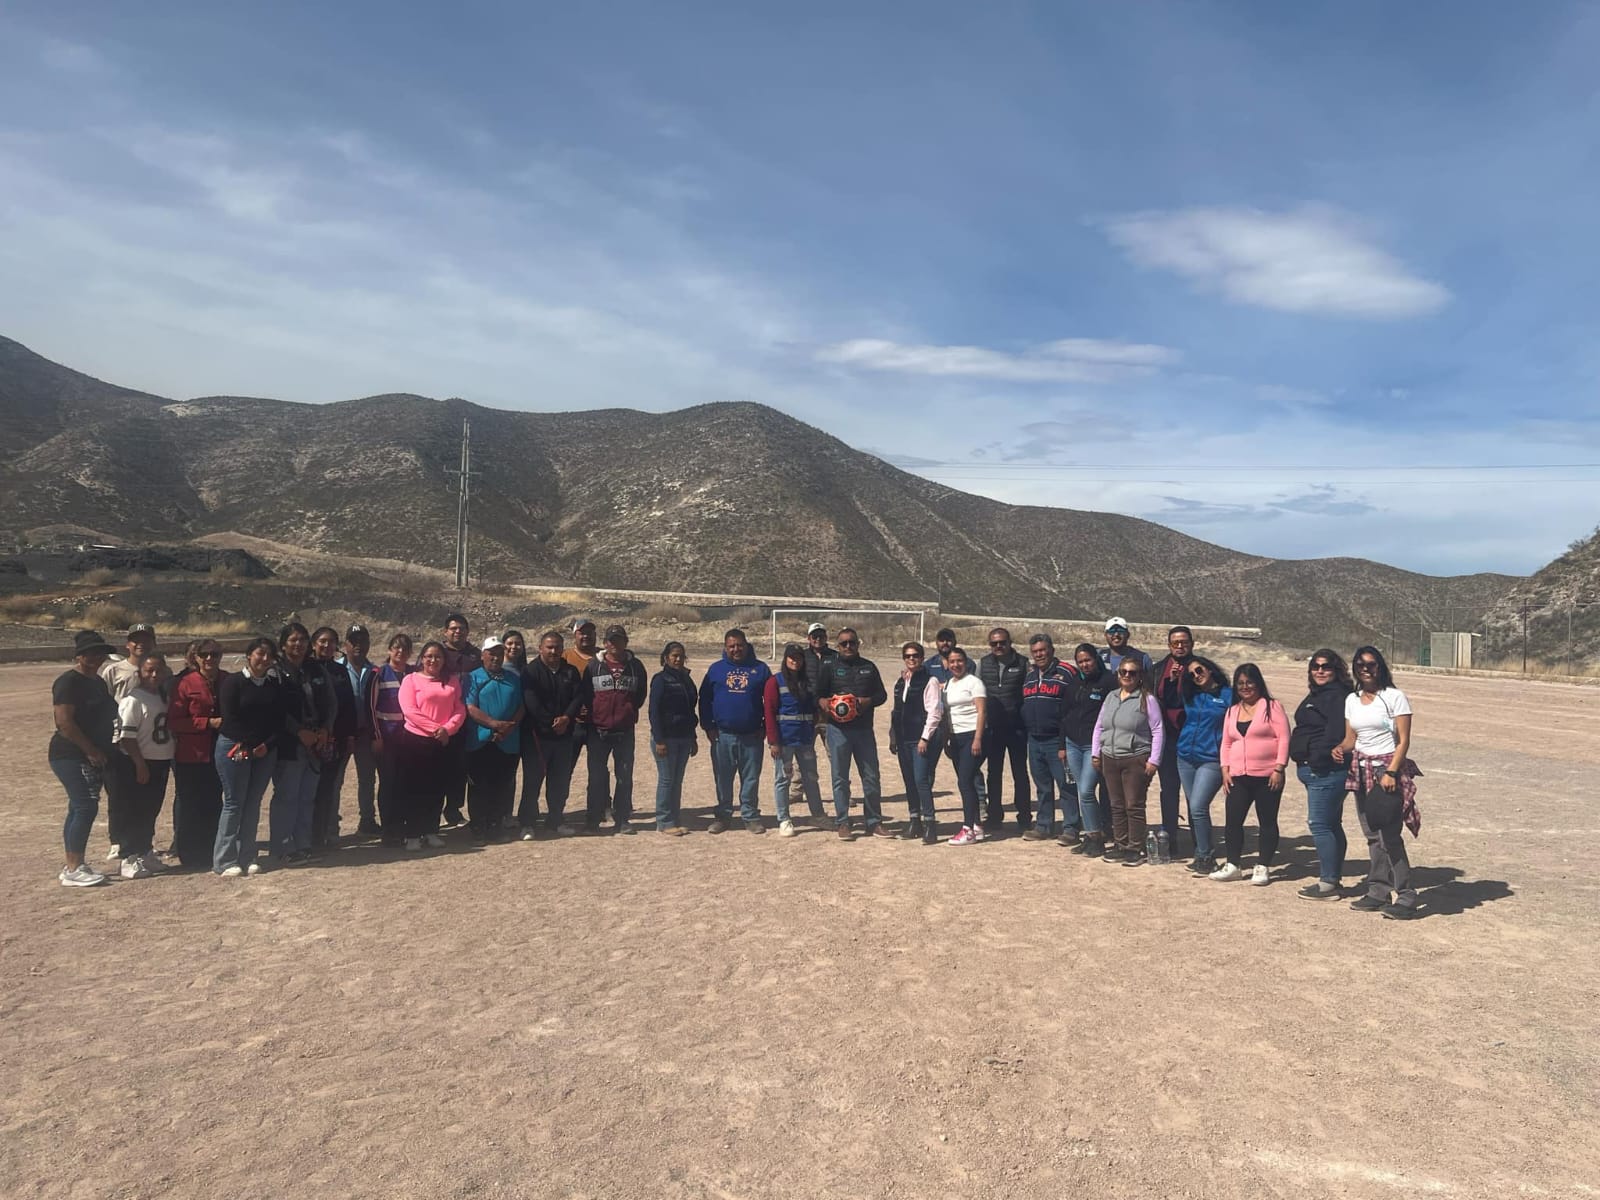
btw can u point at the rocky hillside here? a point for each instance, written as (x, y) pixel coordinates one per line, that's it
(1562, 603)
(726, 497)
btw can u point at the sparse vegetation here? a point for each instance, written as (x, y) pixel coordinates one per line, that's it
(669, 614)
(97, 578)
(107, 615)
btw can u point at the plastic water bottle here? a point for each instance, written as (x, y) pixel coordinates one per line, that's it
(1163, 846)
(1150, 850)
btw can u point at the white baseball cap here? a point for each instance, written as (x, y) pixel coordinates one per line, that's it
(816, 627)
(1116, 623)
(492, 643)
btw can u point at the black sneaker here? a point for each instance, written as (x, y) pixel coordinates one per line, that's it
(1203, 866)
(913, 832)
(1070, 837)
(1317, 890)
(1113, 852)
(1400, 912)
(1036, 835)
(623, 827)
(994, 824)
(453, 818)
(930, 834)
(369, 829)
(718, 825)
(1134, 858)
(1369, 904)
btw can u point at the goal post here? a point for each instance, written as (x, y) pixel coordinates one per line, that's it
(920, 614)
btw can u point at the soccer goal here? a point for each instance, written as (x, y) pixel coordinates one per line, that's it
(799, 618)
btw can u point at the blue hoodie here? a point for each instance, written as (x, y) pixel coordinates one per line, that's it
(731, 696)
(1200, 739)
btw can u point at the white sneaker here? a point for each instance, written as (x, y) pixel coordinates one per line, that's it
(528, 836)
(232, 872)
(785, 828)
(1259, 876)
(413, 843)
(1226, 872)
(82, 875)
(434, 840)
(253, 869)
(114, 853)
(133, 868)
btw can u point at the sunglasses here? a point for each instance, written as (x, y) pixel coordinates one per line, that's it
(1367, 664)
(911, 657)
(1322, 666)
(1134, 674)
(848, 642)
(1198, 673)
(1001, 642)
(209, 654)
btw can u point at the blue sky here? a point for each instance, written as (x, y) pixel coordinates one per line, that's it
(1299, 279)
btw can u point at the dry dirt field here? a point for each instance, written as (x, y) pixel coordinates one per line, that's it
(749, 1017)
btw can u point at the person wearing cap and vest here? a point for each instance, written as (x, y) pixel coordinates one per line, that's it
(818, 653)
(732, 713)
(551, 692)
(1111, 654)
(614, 689)
(790, 707)
(493, 696)
(363, 677)
(849, 690)
(461, 659)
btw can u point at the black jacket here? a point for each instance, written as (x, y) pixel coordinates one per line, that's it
(856, 677)
(1002, 677)
(673, 699)
(910, 714)
(310, 703)
(550, 694)
(1084, 698)
(1319, 727)
(815, 662)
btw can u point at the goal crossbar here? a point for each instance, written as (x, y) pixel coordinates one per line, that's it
(921, 614)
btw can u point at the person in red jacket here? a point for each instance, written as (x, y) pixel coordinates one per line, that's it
(194, 715)
(1255, 755)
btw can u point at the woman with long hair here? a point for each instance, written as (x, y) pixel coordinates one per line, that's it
(1206, 700)
(967, 702)
(194, 715)
(916, 738)
(1377, 739)
(790, 706)
(1255, 754)
(430, 700)
(673, 741)
(334, 758)
(1318, 730)
(254, 710)
(387, 721)
(308, 714)
(516, 644)
(1128, 740)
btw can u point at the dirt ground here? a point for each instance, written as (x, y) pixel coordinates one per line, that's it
(737, 1016)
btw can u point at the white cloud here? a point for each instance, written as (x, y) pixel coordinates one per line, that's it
(1310, 261)
(1070, 360)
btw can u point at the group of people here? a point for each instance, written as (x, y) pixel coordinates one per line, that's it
(437, 743)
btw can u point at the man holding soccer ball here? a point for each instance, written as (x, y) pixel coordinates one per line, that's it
(848, 690)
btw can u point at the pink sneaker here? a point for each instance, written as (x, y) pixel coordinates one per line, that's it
(963, 837)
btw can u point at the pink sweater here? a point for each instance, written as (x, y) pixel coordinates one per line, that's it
(431, 704)
(1265, 744)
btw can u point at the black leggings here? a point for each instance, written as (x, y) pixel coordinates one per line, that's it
(1248, 790)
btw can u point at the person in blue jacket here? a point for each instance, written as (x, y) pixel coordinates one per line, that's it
(731, 713)
(1206, 698)
(493, 696)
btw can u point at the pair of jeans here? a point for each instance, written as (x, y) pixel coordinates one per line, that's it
(1004, 736)
(1325, 816)
(859, 743)
(294, 800)
(1086, 785)
(1201, 783)
(491, 787)
(614, 746)
(1050, 780)
(669, 779)
(244, 782)
(1248, 790)
(142, 803)
(196, 809)
(916, 770)
(737, 753)
(792, 760)
(1170, 776)
(967, 778)
(547, 762)
(82, 781)
(1381, 817)
(1129, 786)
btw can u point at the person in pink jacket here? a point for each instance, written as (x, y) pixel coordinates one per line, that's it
(1255, 754)
(430, 701)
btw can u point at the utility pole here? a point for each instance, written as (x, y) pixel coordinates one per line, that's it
(464, 501)
(1526, 609)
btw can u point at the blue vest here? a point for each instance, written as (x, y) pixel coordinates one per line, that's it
(796, 723)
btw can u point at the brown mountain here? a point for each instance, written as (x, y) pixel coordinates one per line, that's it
(1558, 606)
(642, 500)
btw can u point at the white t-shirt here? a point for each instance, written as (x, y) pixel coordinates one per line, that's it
(959, 697)
(1374, 723)
(143, 717)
